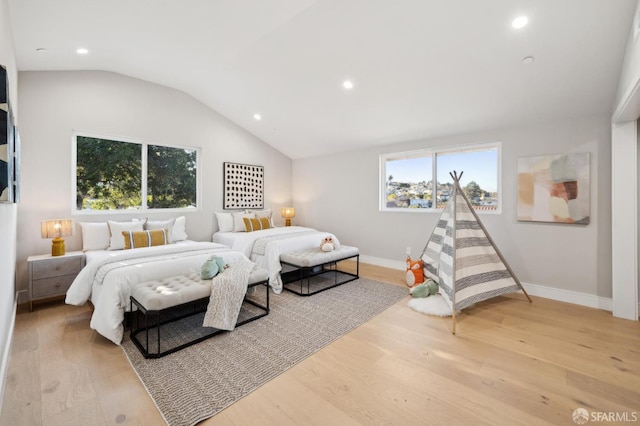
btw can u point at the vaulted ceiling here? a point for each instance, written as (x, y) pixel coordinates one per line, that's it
(419, 68)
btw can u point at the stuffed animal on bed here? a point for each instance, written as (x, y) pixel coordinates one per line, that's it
(415, 274)
(425, 289)
(212, 267)
(327, 243)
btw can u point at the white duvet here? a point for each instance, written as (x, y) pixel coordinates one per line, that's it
(264, 247)
(109, 277)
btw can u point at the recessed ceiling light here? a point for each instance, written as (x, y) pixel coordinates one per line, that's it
(82, 51)
(41, 49)
(528, 60)
(257, 117)
(520, 22)
(347, 84)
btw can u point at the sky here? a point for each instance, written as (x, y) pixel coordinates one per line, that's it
(478, 166)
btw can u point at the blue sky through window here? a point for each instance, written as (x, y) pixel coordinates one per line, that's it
(478, 166)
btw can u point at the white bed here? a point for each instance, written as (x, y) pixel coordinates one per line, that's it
(265, 246)
(109, 276)
(112, 271)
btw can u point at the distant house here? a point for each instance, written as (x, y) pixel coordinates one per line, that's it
(402, 201)
(420, 203)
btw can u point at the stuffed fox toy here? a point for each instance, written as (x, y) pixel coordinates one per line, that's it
(415, 274)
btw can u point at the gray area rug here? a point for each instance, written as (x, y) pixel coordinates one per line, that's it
(197, 382)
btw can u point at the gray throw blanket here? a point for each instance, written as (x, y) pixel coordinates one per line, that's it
(228, 289)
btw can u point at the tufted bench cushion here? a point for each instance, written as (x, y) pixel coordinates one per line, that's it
(173, 291)
(314, 257)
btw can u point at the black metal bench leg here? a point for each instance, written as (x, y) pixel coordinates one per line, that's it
(190, 308)
(306, 272)
(158, 326)
(146, 331)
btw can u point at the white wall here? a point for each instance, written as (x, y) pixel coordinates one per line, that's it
(630, 67)
(340, 193)
(7, 211)
(53, 104)
(625, 181)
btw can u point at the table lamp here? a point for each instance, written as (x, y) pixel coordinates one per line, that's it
(56, 229)
(288, 213)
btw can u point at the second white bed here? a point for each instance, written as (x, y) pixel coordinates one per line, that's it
(265, 247)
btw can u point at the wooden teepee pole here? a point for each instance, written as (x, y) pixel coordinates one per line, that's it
(455, 231)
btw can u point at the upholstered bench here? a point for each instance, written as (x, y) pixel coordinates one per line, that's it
(310, 263)
(167, 314)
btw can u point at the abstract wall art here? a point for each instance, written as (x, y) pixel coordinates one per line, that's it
(8, 147)
(554, 188)
(243, 186)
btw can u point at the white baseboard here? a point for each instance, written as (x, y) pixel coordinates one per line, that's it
(552, 293)
(569, 296)
(379, 261)
(4, 365)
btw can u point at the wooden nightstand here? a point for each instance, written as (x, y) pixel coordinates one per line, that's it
(51, 276)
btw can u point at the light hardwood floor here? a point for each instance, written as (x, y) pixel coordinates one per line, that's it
(511, 362)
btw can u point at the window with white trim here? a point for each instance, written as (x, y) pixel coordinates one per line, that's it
(116, 175)
(420, 181)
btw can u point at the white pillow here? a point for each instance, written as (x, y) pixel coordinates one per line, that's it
(95, 235)
(266, 213)
(116, 241)
(225, 221)
(238, 220)
(179, 232)
(150, 225)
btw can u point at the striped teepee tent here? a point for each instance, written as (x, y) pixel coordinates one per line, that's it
(463, 259)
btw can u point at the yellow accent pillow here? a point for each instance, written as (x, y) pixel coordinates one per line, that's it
(137, 239)
(256, 224)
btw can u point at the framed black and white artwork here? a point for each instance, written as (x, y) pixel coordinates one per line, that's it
(8, 180)
(243, 186)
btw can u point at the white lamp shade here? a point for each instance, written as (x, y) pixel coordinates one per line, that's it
(56, 228)
(288, 212)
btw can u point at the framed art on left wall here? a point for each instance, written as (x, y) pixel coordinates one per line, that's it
(8, 157)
